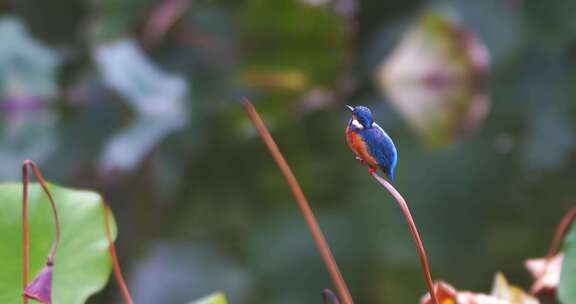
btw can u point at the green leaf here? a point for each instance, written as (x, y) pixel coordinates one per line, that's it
(216, 298)
(82, 264)
(566, 290)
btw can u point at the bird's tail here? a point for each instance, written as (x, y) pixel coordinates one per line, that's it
(390, 173)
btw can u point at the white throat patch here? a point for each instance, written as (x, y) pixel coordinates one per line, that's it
(357, 124)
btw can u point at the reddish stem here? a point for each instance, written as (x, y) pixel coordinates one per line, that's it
(305, 209)
(413, 231)
(555, 244)
(25, 232)
(567, 219)
(115, 264)
(162, 18)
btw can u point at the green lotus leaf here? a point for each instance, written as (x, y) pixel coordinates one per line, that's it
(566, 290)
(82, 265)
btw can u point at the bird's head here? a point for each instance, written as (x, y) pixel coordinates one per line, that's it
(361, 117)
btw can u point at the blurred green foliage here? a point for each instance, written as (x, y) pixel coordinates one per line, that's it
(204, 191)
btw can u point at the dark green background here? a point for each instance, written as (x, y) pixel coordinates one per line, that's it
(206, 208)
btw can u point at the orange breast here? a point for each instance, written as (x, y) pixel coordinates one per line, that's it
(358, 146)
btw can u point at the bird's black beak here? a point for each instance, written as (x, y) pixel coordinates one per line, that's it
(351, 108)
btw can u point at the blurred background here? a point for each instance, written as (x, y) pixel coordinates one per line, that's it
(138, 99)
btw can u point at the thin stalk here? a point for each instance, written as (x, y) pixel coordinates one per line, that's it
(115, 264)
(555, 244)
(25, 232)
(413, 231)
(317, 235)
(565, 222)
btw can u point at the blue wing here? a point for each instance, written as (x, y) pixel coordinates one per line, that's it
(382, 148)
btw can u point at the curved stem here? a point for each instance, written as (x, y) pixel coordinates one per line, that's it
(567, 219)
(43, 184)
(26, 238)
(25, 230)
(305, 209)
(413, 231)
(115, 264)
(555, 244)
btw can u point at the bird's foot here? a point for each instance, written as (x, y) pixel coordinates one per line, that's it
(371, 170)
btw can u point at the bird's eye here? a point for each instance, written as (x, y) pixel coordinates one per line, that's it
(357, 124)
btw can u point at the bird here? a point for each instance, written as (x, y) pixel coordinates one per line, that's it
(370, 142)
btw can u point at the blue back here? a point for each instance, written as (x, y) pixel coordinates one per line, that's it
(381, 147)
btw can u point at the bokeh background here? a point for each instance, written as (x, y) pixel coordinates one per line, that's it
(138, 99)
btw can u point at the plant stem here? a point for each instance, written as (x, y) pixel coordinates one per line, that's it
(413, 231)
(115, 264)
(317, 235)
(567, 219)
(554, 249)
(25, 232)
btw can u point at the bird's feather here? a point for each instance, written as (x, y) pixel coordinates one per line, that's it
(370, 142)
(378, 146)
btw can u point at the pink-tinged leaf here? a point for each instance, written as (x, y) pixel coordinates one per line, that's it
(546, 273)
(447, 294)
(435, 78)
(502, 293)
